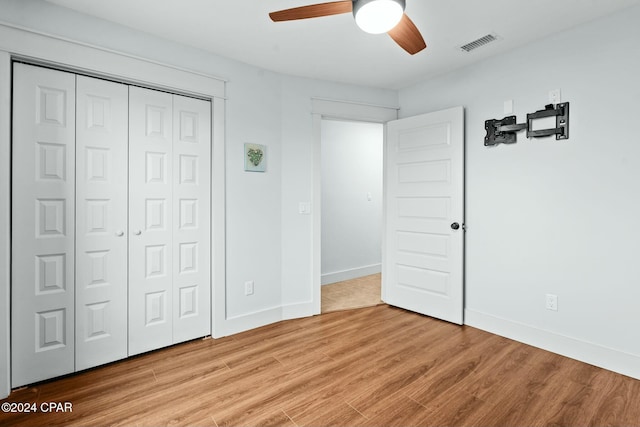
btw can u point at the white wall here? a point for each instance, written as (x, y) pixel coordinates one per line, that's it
(351, 221)
(547, 216)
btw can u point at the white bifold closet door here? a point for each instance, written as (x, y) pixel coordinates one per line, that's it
(101, 221)
(191, 218)
(151, 220)
(43, 224)
(110, 222)
(169, 187)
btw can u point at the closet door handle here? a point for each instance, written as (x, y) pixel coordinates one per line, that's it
(137, 232)
(119, 233)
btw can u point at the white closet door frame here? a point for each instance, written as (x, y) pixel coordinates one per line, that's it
(39, 48)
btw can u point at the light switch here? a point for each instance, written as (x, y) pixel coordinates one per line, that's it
(304, 208)
(508, 107)
(369, 197)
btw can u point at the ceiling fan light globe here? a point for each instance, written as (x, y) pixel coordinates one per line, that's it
(378, 16)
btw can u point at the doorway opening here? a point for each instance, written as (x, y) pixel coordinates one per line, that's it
(352, 207)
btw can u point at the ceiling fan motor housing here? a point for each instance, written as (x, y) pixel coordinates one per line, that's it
(378, 16)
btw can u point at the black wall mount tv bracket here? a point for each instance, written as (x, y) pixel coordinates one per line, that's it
(504, 131)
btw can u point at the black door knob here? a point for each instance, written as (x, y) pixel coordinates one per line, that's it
(455, 226)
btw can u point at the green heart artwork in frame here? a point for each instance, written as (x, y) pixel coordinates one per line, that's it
(254, 157)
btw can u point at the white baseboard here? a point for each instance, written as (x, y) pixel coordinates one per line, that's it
(352, 273)
(593, 354)
(257, 319)
(246, 322)
(298, 310)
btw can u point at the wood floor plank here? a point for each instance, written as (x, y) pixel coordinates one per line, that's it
(580, 395)
(376, 366)
(619, 405)
(397, 410)
(524, 397)
(326, 412)
(504, 363)
(452, 368)
(273, 418)
(461, 411)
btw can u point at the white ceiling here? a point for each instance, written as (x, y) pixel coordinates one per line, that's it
(333, 48)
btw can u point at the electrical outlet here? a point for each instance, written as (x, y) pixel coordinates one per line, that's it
(552, 302)
(248, 288)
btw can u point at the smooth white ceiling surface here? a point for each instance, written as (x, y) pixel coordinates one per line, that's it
(334, 48)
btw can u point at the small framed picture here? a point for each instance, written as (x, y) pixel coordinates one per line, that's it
(255, 157)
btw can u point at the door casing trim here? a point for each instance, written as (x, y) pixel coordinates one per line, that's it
(342, 110)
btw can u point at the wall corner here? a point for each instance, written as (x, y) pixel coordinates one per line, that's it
(5, 215)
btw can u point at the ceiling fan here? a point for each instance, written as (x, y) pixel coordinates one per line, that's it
(372, 16)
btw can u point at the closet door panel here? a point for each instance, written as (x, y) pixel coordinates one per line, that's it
(101, 222)
(43, 207)
(150, 220)
(191, 207)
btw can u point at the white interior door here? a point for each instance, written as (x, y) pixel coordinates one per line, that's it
(42, 314)
(150, 220)
(101, 221)
(191, 229)
(424, 235)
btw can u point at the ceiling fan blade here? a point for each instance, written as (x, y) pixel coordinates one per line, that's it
(407, 35)
(312, 11)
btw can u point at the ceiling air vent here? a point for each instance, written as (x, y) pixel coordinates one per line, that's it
(479, 43)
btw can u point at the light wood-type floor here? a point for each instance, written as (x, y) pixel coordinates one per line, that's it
(349, 294)
(377, 366)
